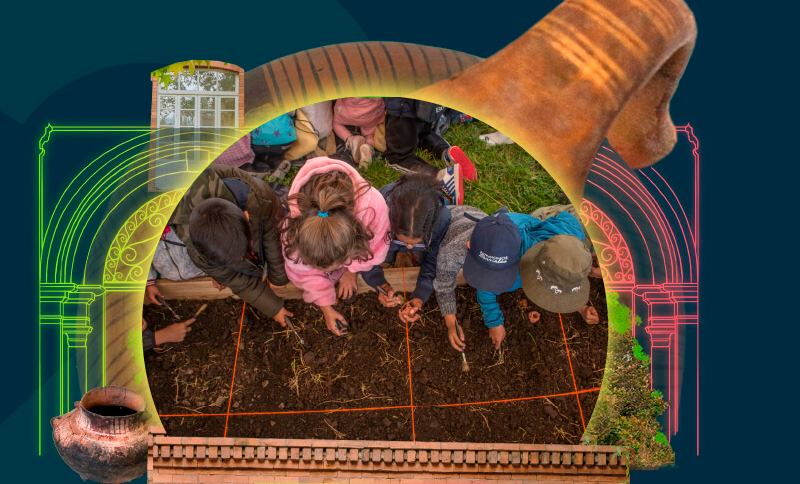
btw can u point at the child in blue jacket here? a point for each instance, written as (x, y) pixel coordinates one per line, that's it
(491, 261)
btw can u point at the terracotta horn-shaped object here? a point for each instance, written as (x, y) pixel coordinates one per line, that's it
(590, 69)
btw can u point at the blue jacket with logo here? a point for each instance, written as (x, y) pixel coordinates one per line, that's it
(531, 231)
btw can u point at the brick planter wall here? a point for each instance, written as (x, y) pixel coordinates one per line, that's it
(239, 460)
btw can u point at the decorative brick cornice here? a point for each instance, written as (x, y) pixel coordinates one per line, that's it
(376, 461)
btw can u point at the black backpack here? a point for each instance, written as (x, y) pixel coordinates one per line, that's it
(429, 112)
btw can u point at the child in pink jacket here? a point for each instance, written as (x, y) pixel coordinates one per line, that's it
(354, 122)
(337, 226)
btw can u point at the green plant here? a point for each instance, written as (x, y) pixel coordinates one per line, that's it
(627, 408)
(169, 74)
(619, 315)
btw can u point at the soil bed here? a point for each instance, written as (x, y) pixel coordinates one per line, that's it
(276, 377)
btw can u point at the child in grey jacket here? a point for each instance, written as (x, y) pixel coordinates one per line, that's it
(170, 261)
(452, 252)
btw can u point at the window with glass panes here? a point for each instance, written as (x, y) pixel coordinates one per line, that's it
(207, 98)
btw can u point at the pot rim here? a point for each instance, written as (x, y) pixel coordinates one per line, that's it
(113, 395)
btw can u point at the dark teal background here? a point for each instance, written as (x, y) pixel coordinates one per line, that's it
(90, 64)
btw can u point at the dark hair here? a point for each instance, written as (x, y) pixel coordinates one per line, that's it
(414, 206)
(332, 240)
(220, 231)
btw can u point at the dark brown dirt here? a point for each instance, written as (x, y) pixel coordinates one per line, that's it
(276, 378)
(193, 376)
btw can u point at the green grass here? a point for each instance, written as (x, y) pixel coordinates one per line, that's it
(507, 174)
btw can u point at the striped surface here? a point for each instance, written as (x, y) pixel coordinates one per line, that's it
(344, 70)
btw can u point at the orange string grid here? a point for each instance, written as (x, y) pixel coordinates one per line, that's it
(290, 412)
(235, 360)
(228, 414)
(408, 351)
(575, 385)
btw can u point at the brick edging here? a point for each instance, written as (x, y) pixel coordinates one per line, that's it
(218, 455)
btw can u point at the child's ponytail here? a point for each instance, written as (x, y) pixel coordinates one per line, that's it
(326, 234)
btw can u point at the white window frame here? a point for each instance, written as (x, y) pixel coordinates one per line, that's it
(217, 95)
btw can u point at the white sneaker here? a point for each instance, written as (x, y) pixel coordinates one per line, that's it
(365, 158)
(354, 144)
(453, 182)
(496, 138)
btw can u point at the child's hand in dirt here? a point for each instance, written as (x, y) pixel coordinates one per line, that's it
(174, 333)
(280, 317)
(331, 315)
(389, 300)
(348, 285)
(219, 286)
(453, 335)
(590, 315)
(410, 310)
(498, 334)
(151, 292)
(534, 316)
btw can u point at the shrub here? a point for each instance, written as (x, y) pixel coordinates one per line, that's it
(627, 408)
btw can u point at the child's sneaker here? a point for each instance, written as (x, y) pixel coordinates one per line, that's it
(496, 138)
(454, 155)
(453, 182)
(365, 158)
(354, 144)
(283, 169)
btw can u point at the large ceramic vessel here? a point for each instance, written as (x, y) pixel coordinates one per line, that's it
(104, 438)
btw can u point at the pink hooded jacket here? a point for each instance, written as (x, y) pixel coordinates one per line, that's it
(364, 112)
(370, 209)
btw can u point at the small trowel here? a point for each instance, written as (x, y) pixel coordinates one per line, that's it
(464, 364)
(202, 308)
(164, 303)
(291, 326)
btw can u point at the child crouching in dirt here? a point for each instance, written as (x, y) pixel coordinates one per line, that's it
(337, 227)
(229, 222)
(489, 249)
(419, 218)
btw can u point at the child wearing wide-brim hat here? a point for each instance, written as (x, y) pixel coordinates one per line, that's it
(554, 275)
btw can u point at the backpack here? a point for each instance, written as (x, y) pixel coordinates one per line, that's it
(429, 112)
(279, 131)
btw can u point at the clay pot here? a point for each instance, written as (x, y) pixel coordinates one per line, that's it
(105, 438)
